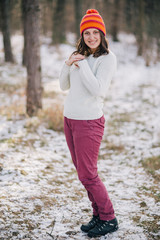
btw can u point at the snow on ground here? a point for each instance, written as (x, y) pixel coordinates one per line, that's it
(39, 188)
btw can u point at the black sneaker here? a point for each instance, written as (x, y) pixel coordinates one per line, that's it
(92, 223)
(103, 227)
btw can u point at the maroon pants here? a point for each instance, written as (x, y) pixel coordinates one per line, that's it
(84, 138)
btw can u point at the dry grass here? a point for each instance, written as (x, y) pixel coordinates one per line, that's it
(151, 165)
(11, 88)
(152, 192)
(111, 146)
(115, 147)
(119, 118)
(51, 94)
(125, 117)
(14, 110)
(151, 226)
(53, 116)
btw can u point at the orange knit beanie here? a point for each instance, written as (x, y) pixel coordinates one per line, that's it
(92, 19)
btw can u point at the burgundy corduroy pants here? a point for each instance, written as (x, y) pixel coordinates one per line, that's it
(84, 138)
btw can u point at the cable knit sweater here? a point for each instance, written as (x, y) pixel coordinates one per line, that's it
(87, 86)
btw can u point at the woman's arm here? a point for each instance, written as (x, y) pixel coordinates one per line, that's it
(98, 84)
(65, 73)
(64, 78)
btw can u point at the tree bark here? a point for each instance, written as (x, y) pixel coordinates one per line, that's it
(5, 5)
(78, 16)
(23, 9)
(34, 88)
(115, 23)
(140, 27)
(59, 35)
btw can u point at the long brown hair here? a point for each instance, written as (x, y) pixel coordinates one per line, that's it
(83, 49)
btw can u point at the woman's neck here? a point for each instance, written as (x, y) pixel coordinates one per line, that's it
(93, 50)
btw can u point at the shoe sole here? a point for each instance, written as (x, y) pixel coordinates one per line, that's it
(95, 235)
(86, 231)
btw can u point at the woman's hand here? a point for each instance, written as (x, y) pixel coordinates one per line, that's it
(74, 58)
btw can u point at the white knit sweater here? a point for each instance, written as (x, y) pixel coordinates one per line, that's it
(87, 86)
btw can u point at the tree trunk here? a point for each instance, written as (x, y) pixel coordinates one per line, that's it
(23, 6)
(140, 27)
(59, 34)
(114, 29)
(5, 6)
(34, 89)
(128, 14)
(78, 16)
(158, 50)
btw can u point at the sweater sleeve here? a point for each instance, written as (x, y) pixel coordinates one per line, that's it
(64, 77)
(98, 84)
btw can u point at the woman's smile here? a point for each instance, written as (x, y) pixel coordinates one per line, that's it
(92, 42)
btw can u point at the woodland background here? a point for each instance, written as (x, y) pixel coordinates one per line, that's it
(57, 17)
(60, 17)
(39, 189)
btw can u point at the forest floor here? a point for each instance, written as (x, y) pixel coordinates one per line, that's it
(39, 189)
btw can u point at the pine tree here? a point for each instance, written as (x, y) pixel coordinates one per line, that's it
(34, 89)
(5, 7)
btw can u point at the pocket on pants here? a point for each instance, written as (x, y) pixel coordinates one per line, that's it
(102, 119)
(100, 122)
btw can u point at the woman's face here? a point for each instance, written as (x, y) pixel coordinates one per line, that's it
(92, 38)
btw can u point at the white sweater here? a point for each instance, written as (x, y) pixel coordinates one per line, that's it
(87, 86)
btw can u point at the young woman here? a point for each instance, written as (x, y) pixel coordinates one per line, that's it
(87, 74)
